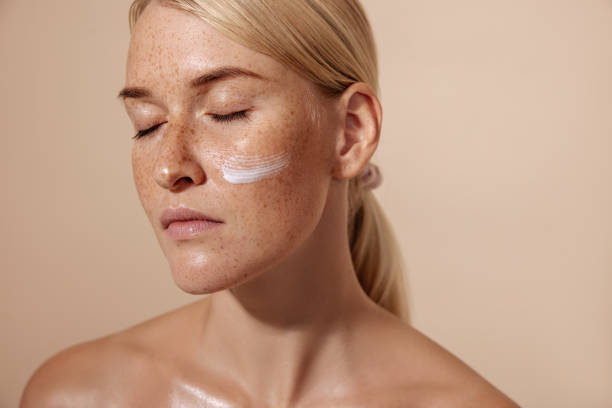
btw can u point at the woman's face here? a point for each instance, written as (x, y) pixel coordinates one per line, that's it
(242, 146)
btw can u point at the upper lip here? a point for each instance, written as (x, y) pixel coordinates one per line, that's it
(171, 215)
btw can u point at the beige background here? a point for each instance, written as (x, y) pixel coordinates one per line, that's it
(496, 151)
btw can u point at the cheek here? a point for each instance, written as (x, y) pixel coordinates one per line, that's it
(279, 212)
(275, 216)
(249, 169)
(141, 172)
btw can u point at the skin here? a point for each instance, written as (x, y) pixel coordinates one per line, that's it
(286, 324)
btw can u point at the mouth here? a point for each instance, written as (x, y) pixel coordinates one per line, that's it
(184, 223)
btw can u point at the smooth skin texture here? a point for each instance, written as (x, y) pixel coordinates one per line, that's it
(286, 324)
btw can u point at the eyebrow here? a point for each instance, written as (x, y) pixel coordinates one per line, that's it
(207, 78)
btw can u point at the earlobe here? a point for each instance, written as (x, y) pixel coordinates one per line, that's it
(357, 141)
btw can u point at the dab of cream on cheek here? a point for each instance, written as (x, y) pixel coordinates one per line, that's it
(239, 169)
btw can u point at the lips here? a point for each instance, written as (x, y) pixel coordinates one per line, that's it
(182, 214)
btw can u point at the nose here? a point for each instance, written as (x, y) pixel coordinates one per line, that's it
(176, 167)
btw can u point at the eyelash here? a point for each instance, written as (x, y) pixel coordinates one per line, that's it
(216, 117)
(229, 117)
(145, 132)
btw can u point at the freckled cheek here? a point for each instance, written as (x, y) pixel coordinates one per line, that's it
(292, 199)
(141, 171)
(280, 208)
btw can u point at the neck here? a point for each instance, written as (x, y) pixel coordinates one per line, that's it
(290, 321)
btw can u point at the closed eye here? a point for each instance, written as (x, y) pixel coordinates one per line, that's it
(146, 131)
(229, 117)
(216, 117)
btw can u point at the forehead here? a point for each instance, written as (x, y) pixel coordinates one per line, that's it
(169, 45)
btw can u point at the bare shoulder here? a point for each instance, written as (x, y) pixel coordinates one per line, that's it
(72, 377)
(418, 372)
(102, 372)
(453, 382)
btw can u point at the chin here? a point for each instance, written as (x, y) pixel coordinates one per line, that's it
(201, 278)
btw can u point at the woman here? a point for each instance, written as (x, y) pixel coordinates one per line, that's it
(256, 121)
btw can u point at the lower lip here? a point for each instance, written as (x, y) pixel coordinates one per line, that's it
(189, 229)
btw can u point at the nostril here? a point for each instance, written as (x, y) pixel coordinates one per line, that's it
(182, 182)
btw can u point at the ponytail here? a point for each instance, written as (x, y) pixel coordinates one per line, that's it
(375, 253)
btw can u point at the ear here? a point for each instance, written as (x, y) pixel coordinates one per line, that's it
(357, 140)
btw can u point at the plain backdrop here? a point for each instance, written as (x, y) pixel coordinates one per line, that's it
(496, 153)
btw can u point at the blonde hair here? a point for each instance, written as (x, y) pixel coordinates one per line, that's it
(330, 42)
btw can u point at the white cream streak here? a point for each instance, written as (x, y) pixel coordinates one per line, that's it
(238, 169)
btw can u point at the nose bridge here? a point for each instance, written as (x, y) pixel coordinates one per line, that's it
(175, 163)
